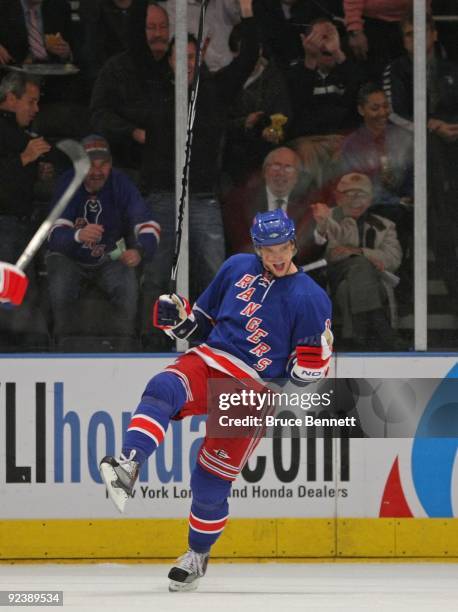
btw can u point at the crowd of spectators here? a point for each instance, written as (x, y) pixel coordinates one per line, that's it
(303, 105)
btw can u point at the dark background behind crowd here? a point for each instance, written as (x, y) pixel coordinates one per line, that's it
(304, 105)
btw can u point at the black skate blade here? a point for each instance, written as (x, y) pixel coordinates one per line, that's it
(110, 460)
(181, 581)
(179, 575)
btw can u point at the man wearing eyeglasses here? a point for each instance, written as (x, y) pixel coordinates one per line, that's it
(283, 184)
(281, 172)
(360, 247)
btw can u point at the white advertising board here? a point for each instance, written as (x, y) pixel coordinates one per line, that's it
(59, 416)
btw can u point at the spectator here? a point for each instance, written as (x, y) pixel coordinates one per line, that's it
(221, 17)
(249, 133)
(216, 93)
(360, 246)
(88, 243)
(282, 185)
(111, 34)
(323, 86)
(442, 84)
(20, 158)
(25, 29)
(373, 31)
(385, 153)
(447, 29)
(382, 151)
(442, 97)
(131, 84)
(282, 21)
(40, 31)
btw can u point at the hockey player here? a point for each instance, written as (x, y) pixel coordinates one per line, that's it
(260, 317)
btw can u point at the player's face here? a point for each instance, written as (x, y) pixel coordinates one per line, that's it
(98, 174)
(277, 258)
(26, 107)
(375, 111)
(157, 31)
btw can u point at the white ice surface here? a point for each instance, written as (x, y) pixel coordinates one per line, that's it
(252, 587)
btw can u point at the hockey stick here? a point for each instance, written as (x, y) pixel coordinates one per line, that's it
(13, 281)
(189, 135)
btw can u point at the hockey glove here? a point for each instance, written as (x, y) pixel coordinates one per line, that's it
(172, 313)
(13, 284)
(311, 363)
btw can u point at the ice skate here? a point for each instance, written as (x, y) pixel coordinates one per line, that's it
(119, 476)
(185, 575)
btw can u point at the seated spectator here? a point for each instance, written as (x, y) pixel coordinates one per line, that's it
(442, 99)
(40, 31)
(360, 246)
(21, 159)
(323, 86)
(250, 135)
(103, 235)
(382, 151)
(131, 84)
(282, 185)
(385, 153)
(26, 27)
(373, 31)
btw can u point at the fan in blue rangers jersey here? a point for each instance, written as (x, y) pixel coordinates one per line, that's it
(108, 200)
(260, 317)
(102, 236)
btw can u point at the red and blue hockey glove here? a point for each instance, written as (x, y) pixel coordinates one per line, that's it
(13, 284)
(173, 314)
(311, 363)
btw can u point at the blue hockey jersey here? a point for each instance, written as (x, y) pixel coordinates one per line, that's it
(118, 206)
(258, 320)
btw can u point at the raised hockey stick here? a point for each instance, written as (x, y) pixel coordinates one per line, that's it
(189, 135)
(13, 281)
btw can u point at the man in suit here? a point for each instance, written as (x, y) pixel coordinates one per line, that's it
(41, 32)
(35, 30)
(282, 184)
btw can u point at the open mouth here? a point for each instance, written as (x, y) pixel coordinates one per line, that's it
(279, 268)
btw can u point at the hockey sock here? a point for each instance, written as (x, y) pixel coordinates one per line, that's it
(209, 509)
(164, 396)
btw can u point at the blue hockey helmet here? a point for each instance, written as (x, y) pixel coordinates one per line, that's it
(273, 227)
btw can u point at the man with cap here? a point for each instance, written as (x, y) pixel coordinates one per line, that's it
(259, 318)
(360, 246)
(101, 237)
